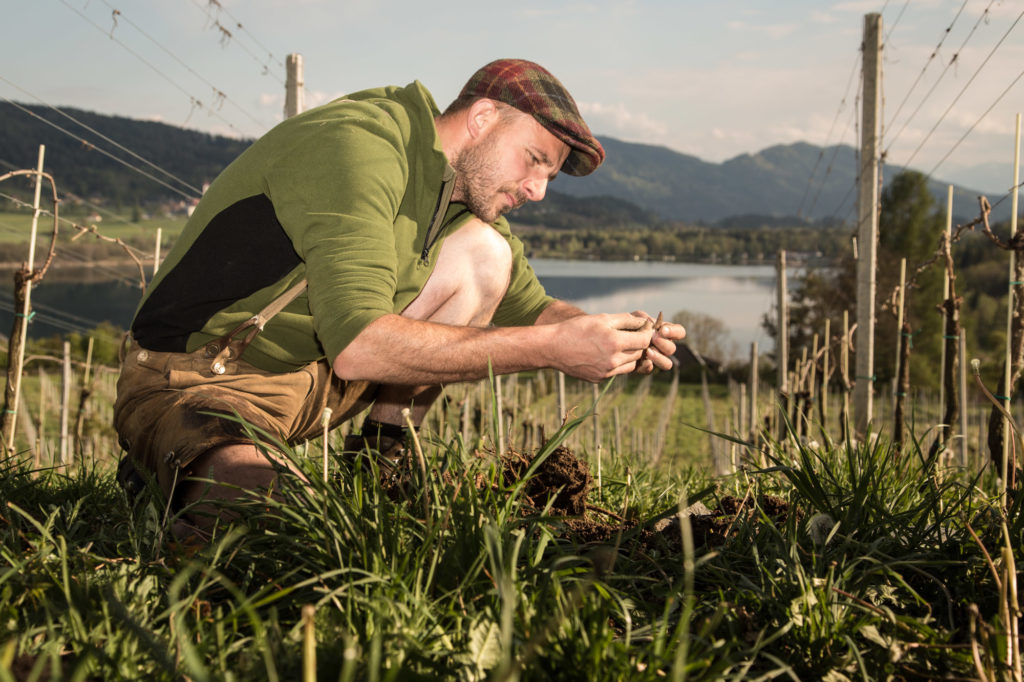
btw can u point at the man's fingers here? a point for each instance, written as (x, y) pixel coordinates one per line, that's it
(670, 330)
(663, 345)
(631, 322)
(659, 359)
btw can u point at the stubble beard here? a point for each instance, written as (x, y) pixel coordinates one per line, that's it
(477, 183)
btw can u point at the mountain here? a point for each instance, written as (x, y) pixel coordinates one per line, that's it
(637, 184)
(81, 169)
(774, 182)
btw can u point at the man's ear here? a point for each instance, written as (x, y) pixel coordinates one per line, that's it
(482, 114)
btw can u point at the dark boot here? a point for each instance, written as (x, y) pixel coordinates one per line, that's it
(385, 444)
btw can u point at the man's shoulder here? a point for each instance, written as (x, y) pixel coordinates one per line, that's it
(411, 101)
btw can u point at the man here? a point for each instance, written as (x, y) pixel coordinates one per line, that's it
(356, 253)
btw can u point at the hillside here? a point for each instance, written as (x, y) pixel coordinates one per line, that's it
(637, 185)
(774, 182)
(82, 170)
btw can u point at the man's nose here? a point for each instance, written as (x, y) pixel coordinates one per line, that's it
(535, 188)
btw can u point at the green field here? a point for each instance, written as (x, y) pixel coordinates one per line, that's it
(16, 228)
(835, 561)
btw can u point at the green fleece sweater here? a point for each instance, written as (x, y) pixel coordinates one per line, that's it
(353, 196)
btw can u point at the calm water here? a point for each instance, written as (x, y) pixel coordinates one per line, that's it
(738, 295)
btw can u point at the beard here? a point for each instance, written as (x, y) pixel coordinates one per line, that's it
(477, 181)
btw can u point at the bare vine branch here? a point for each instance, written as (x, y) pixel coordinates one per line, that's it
(91, 229)
(36, 276)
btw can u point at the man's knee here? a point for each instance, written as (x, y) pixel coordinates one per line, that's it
(484, 259)
(469, 280)
(492, 262)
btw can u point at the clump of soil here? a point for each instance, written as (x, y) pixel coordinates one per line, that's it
(713, 528)
(568, 478)
(565, 473)
(562, 471)
(775, 507)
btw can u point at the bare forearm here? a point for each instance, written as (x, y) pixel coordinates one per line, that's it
(395, 349)
(558, 311)
(398, 350)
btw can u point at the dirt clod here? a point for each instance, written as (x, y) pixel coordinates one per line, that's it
(559, 486)
(562, 474)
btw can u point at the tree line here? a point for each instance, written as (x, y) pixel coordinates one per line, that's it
(911, 225)
(683, 243)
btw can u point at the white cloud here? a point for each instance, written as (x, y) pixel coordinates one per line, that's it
(315, 98)
(616, 119)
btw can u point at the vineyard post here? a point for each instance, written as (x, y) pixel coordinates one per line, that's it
(782, 344)
(481, 424)
(709, 412)
(802, 394)
(823, 405)
(29, 428)
(753, 393)
(1010, 309)
(85, 392)
(512, 388)
(867, 221)
(443, 403)
(65, 404)
(902, 386)
(42, 417)
(845, 365)
(900, 303)
(945, 289)
(597, 439)
(618, 430)
(951, 334)
(19, 335)
(743, 421)
(899, 389)
(156, 250)
(499, 418)
(813, 385)
(731, 463)
(742, 424)
(963, 392)
(561, 398)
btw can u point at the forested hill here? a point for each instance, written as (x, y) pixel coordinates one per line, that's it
(82, 170)
(774, 182)
(637, 185)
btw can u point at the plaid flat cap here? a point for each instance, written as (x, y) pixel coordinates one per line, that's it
(532, 89)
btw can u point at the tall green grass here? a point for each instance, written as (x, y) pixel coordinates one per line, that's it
(846, 562)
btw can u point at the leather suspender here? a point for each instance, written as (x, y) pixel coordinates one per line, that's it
(256, 322)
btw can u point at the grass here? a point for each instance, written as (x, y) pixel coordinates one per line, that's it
(16, 227)
(843, 562)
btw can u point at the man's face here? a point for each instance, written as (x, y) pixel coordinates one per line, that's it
(509, 164)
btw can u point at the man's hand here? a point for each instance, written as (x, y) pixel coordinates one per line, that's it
(596, 347)
(662, 346)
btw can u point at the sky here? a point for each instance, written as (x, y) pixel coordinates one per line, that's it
(712, 79)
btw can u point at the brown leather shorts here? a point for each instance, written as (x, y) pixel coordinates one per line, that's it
(171, 407)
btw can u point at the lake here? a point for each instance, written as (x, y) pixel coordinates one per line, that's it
(738, 295)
